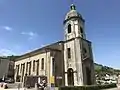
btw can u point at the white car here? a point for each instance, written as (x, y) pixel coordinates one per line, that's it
(3, 85)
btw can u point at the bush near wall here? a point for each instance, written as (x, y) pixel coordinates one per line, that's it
(90, 87)
(107, 86)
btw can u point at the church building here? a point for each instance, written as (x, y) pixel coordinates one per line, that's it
(64, 63)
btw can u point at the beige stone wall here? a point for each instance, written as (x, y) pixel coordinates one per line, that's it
(74, 62)
(75, 29)
(48, 53)
(88, 61)
(76, 41)
(39, 57)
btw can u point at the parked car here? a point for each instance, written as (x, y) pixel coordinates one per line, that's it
(3, 85)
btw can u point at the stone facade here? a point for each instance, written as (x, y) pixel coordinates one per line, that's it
(79, 65)
(40, 62)
(68, 62)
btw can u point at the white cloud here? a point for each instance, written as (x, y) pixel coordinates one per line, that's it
(30, 34)
(7, 28)
(43, 45)
(6, 52)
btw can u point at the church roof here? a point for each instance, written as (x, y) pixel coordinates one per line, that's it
(54, 47)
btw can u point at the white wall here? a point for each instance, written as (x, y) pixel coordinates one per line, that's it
(46, 70)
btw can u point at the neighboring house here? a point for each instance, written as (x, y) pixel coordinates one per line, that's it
(7, 66)
(64, 63)
(4, 65)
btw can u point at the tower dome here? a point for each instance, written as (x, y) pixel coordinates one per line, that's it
(73, 13)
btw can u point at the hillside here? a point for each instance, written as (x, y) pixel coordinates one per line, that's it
(100, 69)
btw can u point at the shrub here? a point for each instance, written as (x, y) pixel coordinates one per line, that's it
(88, 87)
(107, 86)
(79, 88)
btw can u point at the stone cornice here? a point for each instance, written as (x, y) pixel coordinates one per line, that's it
(74, 17)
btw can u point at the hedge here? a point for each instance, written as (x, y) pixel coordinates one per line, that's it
(89, 87)
(107, 86)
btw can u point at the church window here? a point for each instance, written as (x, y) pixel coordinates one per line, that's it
(29, 67)
(21, 68)
(69, 52)
(69, 28)
(17, 69)
(84, 50)
(84, 53)
(33, 65)
(42, 64)
(37, 66)
(81, 29)
(53, 66)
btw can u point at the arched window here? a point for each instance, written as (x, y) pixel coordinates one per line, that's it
(84, 52)
(42, 64)
(29, 68)
(81, 29)
(53, 67)
(69, 28)
(37, 67)
(69, 52)
(33, 65)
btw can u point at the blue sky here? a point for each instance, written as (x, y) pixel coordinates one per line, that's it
(26, 25)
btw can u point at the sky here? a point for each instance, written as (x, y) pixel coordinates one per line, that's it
(26, 25)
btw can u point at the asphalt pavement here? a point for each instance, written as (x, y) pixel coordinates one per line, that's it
(112, 89)
(14, 86)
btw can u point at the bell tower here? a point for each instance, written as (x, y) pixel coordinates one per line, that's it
(78, 58)
(74, 24)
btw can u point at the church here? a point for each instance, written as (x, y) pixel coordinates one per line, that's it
(63, 63)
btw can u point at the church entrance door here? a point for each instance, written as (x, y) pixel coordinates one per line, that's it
(70, 75)
(88, 74)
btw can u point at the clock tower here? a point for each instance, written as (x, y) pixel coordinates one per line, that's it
(78, 58)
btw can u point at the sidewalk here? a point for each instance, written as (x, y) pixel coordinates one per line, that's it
(13, 89)
(112, 89)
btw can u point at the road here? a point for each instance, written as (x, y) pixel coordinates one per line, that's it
(10, 89)
(34, 89)
(112, 89)
(13, 85)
